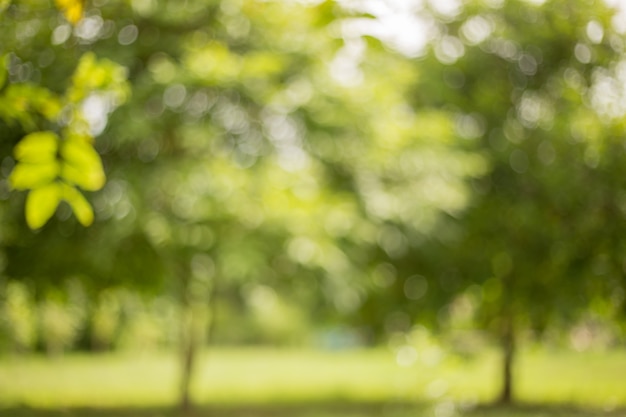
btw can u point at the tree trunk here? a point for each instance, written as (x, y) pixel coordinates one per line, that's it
(188, 357)
(192, 335)
(212, 319)
(187, 339)
(508, 356)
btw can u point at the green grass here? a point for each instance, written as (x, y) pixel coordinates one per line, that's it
(320, 410)
(268, 382)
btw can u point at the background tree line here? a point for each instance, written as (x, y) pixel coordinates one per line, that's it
(276, 167)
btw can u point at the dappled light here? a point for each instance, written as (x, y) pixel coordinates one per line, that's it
(312, 207)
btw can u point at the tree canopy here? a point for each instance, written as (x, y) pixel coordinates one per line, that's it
(378, 165)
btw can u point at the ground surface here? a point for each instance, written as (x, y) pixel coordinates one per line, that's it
(295, 383)
(323, 410)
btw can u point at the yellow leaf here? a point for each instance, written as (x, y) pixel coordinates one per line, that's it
(72, 9)
(37, 147)
(30, 176)
(41, 203)
(80, 206)
(89, 179)
(82, 164)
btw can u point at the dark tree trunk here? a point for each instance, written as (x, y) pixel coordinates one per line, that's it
(508, 357)
(188, 350)
(212, 323)
(190, 342)
(187, 340)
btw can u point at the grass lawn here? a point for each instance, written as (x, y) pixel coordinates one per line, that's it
(267, 382)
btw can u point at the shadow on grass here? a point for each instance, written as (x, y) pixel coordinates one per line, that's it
(314, 409)
(334, 409)
(540, 410)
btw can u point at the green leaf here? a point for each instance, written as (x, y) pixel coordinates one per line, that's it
(81, 207)
(82, 164)
(23, 102)
(37, 147)
(27, 176)
(41, 203)
(94, 74)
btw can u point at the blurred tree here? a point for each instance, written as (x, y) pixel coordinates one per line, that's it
(274, 147)
(196, 129)
(535, 89)
(260, 154)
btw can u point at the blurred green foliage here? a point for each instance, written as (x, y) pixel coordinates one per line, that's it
(269, 172)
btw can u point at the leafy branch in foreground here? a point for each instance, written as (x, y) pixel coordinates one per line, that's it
(55, 165)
